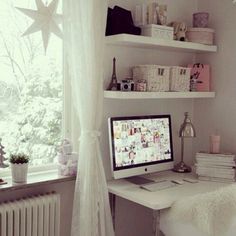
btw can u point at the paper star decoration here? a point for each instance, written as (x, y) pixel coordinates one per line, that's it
(45, 19)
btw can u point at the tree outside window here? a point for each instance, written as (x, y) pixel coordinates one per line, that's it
(30, 87)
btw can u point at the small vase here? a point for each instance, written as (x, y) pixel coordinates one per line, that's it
(19, 172)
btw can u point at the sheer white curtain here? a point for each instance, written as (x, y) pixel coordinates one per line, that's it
(84, 27)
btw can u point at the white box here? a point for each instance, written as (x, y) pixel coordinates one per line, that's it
(180, 79)
(156, 76)
(158, 31)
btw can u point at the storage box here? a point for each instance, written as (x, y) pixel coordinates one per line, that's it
(158, 31)
(200, 77)
(157, 77)
(200, 35)
(179, 79)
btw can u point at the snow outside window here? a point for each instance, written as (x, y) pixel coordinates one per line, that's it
(30, 87)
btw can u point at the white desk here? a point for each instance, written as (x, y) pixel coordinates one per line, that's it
(161, 199)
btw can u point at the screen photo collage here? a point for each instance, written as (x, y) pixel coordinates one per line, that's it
(141, 141)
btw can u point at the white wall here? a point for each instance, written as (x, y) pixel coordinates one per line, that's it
(138, 220)
(219, 114)
(127, 58)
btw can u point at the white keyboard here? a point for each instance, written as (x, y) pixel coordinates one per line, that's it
(152, 187)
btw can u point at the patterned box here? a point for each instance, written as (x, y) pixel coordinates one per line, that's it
(158, 31)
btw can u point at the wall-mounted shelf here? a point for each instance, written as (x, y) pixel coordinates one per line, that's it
(152, 43)
(156, 95)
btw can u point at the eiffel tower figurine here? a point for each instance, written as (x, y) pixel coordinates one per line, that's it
(113, 83)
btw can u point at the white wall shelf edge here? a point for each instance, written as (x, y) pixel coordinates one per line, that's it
(156, 95)
(153, 43)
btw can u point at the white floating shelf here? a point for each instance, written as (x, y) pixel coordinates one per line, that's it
(152, 43)
(156, 95)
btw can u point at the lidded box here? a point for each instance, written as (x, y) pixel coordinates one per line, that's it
(158, 31)
(200, 35)
(157, 77)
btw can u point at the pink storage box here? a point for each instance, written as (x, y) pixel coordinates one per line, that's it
(200, 77)
(200, 35)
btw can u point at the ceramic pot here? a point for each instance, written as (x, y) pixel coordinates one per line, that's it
(19, 172)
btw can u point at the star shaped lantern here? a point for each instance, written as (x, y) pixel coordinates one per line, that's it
(45, 19)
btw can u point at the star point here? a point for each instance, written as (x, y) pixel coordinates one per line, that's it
(45, 19)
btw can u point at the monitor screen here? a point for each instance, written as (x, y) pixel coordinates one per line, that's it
(140, 144)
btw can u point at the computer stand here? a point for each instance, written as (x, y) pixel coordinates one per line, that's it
(138, 180)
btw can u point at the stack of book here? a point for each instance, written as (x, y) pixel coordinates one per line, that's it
(215, 167)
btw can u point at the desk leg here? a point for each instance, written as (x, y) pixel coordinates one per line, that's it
(156, 223)
(113, 208)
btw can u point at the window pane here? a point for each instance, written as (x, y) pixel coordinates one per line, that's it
(30, 86)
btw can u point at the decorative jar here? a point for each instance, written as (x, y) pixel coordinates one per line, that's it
(200, 19)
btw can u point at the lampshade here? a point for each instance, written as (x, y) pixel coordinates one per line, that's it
(187, 129)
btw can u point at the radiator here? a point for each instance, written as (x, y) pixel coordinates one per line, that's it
(33, 216)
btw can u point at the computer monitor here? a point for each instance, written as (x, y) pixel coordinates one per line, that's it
(140, 145)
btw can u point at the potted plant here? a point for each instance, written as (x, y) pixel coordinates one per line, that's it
(19, 167)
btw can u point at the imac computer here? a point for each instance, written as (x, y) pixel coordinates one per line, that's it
(140, 145)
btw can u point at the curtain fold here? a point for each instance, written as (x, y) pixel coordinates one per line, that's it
(84, 30)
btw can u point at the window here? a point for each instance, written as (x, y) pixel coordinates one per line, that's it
(30, 86)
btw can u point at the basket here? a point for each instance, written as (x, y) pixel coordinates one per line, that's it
(180, 79)
(157, 77)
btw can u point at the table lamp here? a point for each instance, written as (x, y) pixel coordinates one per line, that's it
(186, 131)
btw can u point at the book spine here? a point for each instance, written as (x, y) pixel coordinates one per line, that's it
(144, 14)
(216, 171)
(138, 15)
(214, 179)
(217, 163)
(224, 167)
(152, 14)
(203, 165)
(215, 174)
(215, 158)
(201, 154)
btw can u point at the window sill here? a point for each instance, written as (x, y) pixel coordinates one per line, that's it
(36, 180)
